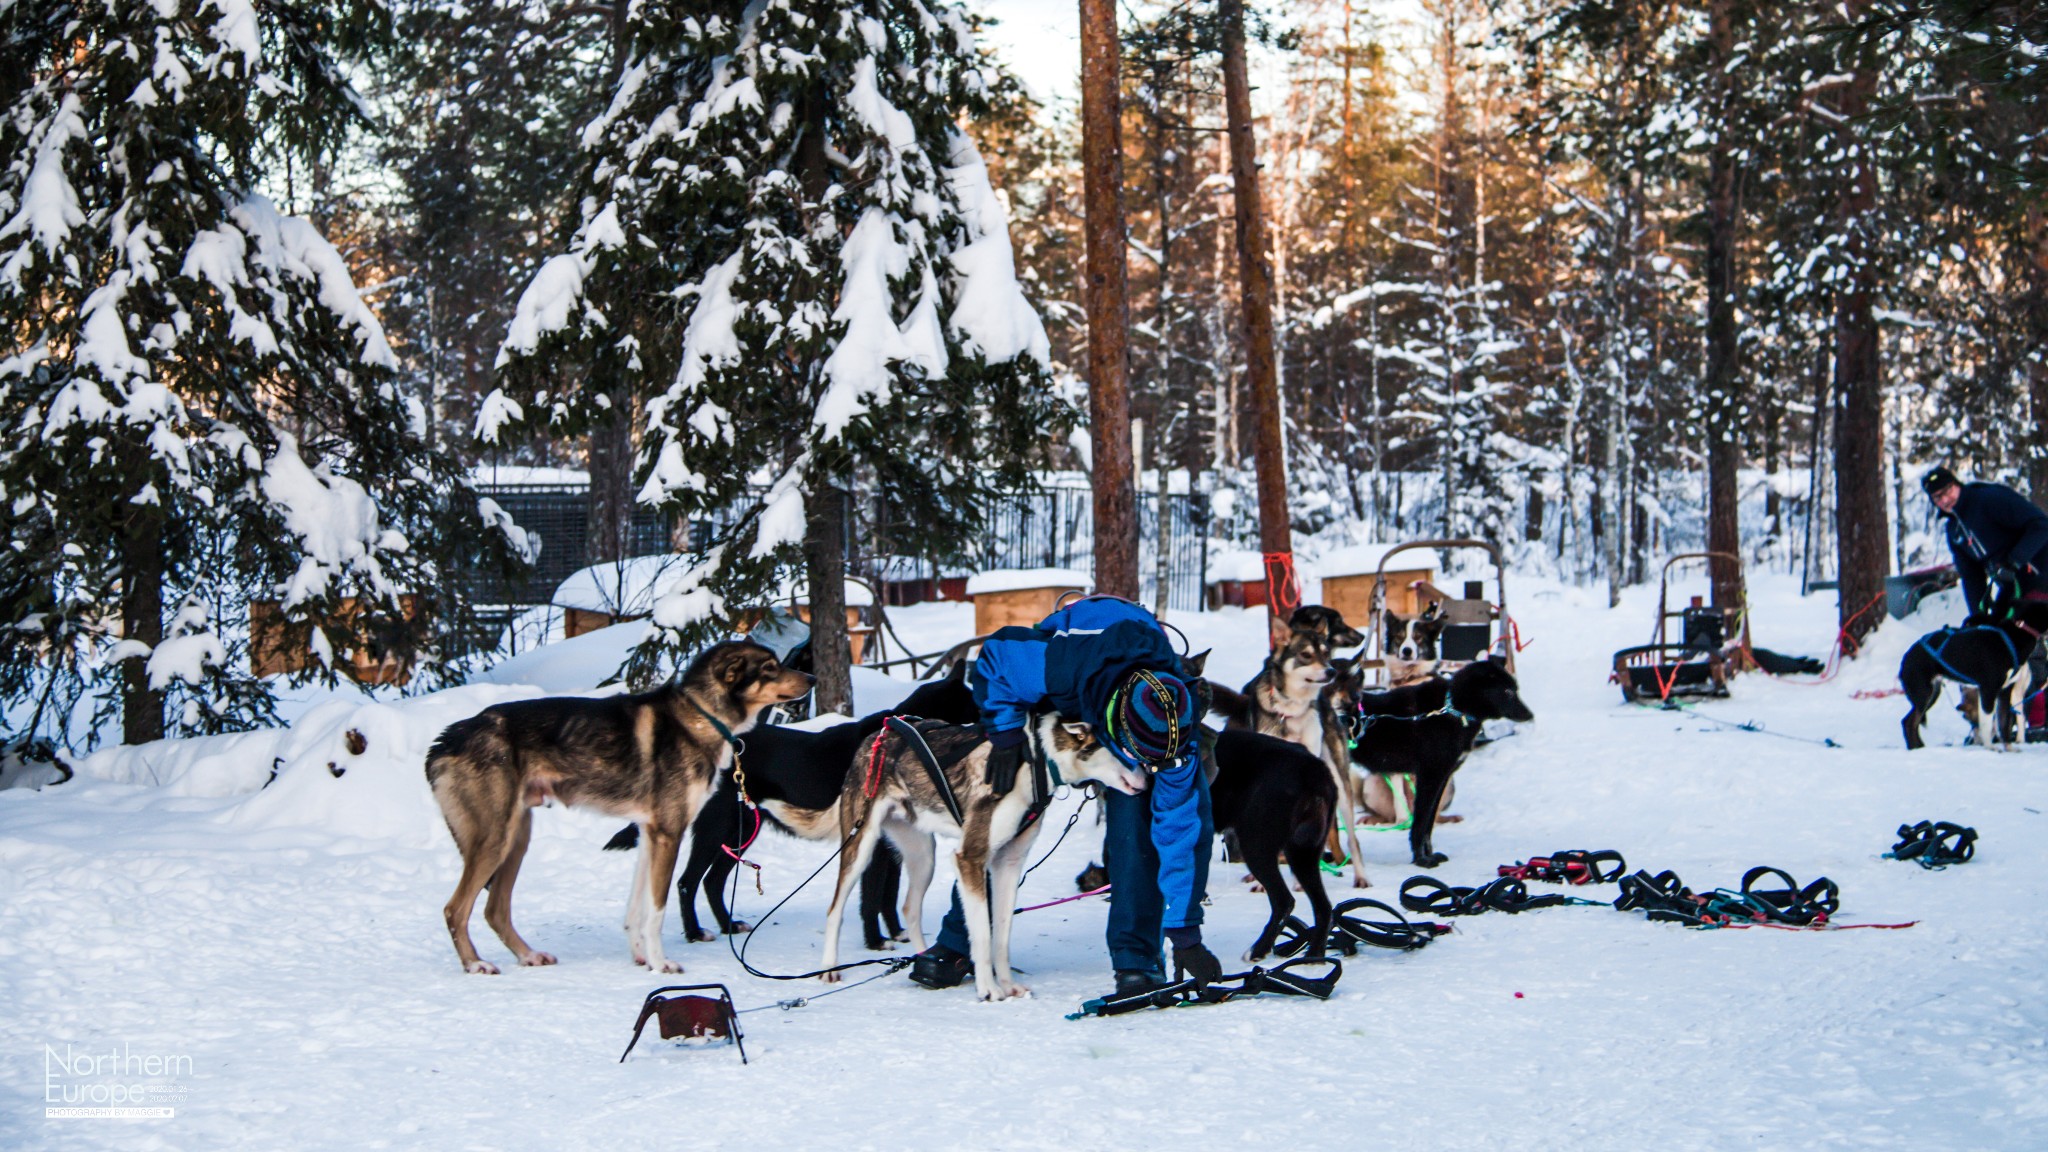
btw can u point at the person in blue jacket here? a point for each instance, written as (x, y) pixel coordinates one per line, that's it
(1108, 662)
(1992, 530)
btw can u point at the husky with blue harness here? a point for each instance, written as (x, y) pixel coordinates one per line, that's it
(1988, 653)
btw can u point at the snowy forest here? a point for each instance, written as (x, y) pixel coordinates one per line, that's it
(1594, 281)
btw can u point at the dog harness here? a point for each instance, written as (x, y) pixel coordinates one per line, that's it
(1934, 844)
(1349, 931)
(1947, 635)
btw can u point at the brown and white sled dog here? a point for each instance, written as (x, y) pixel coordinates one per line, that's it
(652, 758)
(896, 797)
(1285, 700)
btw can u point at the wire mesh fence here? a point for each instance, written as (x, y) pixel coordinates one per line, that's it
(1051, 527)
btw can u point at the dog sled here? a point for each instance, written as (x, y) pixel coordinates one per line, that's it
(1473, 626)
(1703, 657)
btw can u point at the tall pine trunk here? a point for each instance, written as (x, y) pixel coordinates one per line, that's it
(142, 619)
(1105, 298)
(825, 571)
(2037, 461)
(1862, 532)
(1724, 402)
(1255, 281)
(824, 504)
(608, 504)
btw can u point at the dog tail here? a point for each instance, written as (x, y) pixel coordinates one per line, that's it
(1312, 814)
(1234, 707)
(625, 839)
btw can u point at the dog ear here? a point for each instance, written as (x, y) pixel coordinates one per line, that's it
(1194, 664)
(1077, 729)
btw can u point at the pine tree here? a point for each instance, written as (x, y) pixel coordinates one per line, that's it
(480, 106)
(199, 408)
(792, 255)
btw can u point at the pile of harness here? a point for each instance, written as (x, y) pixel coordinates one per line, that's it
(1665, 897)
(1766, 897)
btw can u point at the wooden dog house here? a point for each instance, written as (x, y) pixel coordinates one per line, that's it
(1022, 596)
(279, 646)
(1349, 575)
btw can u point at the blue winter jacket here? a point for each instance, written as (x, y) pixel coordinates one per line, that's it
(1070, 663)
(1992, 524)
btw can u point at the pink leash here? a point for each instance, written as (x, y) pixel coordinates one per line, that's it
(740, 856)
(1066, 899)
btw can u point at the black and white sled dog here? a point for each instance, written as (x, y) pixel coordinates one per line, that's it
(1434, 745)
(1986, 654)
(1411, 644)
(890, 791)
(795, 776)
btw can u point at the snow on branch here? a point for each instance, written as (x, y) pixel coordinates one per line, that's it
(49, 204)
(335, 520)
(991, 315)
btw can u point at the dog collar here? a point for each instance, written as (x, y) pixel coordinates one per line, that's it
(724, 733)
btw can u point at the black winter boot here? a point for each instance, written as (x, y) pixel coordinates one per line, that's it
(940, 967)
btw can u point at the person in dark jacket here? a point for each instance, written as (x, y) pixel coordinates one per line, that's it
(1108, 662)
(1991, 530)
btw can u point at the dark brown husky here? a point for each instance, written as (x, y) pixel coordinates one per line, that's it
(651, 758)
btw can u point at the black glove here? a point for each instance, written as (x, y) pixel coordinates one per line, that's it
(1192, 958)
(1003, 762)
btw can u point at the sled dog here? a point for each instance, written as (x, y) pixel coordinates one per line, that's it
(1988, 655)
(892, 793)
(652, 758)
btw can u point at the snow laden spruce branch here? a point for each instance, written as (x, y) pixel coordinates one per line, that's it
(200, 410)
(791, 261)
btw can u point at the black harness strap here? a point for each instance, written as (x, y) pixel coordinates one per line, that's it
(908, 733)
(1041, 784)
(1281, 979)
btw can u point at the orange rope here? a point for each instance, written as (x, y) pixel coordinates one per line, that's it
(1844, 644)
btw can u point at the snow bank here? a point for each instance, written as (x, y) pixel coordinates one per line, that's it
(230, 765)
(493, 475)
(1012, 579)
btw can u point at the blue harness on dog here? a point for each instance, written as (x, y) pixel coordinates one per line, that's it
(1946, 635)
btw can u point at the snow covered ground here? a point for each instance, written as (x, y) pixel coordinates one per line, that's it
(283, 946)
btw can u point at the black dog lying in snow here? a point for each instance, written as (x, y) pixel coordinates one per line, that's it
(796, 776)
(1988, 655)
(1432, 746)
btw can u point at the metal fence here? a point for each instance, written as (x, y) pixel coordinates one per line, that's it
(1055, 528)
(560, 515)
(1049, 528)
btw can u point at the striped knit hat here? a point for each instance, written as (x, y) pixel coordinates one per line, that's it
(1150, 720)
